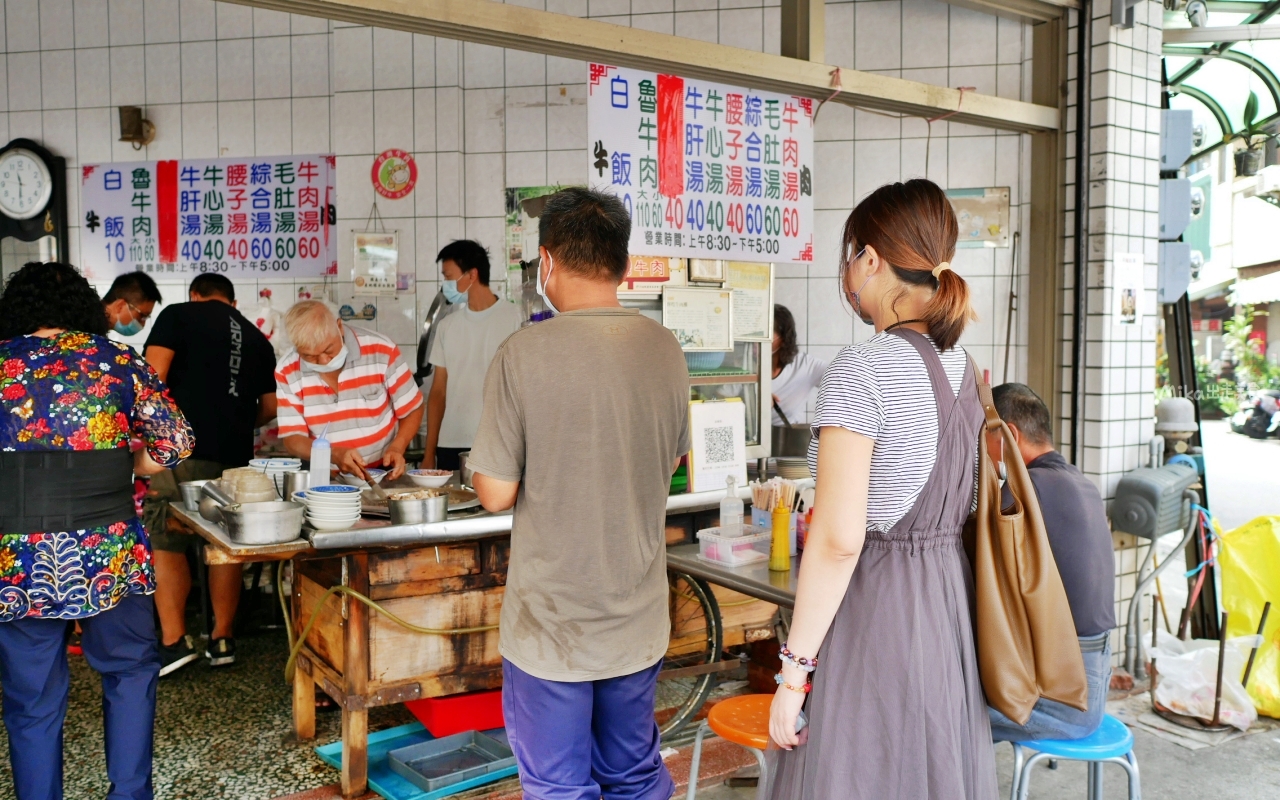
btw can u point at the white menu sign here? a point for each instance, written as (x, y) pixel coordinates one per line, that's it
(241, 217)
(707, 170)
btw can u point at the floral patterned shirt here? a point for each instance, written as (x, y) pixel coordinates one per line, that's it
(79, 391)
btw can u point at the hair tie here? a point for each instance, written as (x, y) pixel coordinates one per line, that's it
(941, 268)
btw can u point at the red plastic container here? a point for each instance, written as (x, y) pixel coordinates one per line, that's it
(445, 716)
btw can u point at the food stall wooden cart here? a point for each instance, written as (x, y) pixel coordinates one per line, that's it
(451, 575)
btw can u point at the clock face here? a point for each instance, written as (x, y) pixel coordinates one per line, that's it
(25, 184)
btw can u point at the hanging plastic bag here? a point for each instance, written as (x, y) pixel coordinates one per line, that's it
(1249, 567)
(1188, 676)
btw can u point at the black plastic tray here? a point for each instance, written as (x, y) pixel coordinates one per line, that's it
(453, 759)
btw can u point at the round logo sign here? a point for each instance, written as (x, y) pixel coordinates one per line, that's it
(394, 174)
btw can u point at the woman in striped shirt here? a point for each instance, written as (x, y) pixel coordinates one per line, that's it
(896, 710)
(350, 384)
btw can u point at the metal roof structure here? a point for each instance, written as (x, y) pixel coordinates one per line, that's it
(1212, 69)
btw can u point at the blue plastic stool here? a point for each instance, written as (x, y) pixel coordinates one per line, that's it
(1111, 743)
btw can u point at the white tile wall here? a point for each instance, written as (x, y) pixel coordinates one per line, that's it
(220, 79)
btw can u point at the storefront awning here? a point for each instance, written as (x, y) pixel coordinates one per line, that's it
(1214, 79)
(1257, 290)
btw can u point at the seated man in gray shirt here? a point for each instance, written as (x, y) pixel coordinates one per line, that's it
(1080, 538)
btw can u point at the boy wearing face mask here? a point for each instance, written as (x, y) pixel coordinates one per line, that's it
(130, 302)
(464, 345)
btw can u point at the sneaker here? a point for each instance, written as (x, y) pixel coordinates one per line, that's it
(175, 656)
(221, 652)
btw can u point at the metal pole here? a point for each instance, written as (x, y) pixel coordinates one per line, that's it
(1222, 655)
(1079, 292)
(1254, 652)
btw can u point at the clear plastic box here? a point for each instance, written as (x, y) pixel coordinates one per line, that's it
(734, 551)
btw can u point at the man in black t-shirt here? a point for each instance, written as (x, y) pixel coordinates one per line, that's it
(221, 371)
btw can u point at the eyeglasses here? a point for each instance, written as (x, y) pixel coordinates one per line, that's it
(138, 313)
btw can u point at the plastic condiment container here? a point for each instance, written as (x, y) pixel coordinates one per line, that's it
(751, 547)
(321, 459)
(780, 546)
(731, 508)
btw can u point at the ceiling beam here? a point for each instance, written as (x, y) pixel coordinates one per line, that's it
(1031, 12)
(501, 25)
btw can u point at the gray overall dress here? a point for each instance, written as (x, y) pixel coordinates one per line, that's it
(897, 710)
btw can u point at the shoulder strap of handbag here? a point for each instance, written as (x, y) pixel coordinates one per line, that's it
(995, 441)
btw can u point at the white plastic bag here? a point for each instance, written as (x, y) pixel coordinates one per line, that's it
(1188, 675)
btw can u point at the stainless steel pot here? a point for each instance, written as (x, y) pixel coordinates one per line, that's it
(263, 523)
(296, 482)
(411, 512)
(791, 441)
(191, 494)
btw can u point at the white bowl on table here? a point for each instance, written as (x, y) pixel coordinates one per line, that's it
(331, 525)
(361, 483)
(430, 478)
(333, 512)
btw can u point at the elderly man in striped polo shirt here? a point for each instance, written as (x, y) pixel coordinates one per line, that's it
(350, 384)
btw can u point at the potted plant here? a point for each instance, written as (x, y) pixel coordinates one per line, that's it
(1250, 159)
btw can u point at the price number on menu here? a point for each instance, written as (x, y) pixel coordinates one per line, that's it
(752, 219)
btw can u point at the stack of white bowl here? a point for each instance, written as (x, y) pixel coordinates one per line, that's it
(275, 469)
(335, 507)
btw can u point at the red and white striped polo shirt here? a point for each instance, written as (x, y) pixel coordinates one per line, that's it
(375, 390)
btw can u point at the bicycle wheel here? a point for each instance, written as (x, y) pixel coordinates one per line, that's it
(697, 636)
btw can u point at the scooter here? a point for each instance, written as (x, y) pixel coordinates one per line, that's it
(1259, 417)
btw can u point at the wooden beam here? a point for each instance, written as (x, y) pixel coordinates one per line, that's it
(804, 29)
(1032, 12)
(1046, 267)
(500, 25)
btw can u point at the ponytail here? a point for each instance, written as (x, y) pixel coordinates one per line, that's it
(913, 227)
(949, 310)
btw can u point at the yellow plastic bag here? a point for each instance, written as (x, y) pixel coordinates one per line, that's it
(1249, 563)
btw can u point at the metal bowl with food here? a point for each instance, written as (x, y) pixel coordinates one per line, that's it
(424, 505)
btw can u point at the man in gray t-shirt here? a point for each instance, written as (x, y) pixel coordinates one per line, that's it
(585, 417)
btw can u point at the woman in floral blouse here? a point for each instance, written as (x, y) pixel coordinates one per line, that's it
(71, 545)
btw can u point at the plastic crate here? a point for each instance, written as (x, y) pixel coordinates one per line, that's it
(734, 551)
(452, 760)
(445, 716)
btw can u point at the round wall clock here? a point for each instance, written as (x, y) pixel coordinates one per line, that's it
(25, 184)
(394, 174)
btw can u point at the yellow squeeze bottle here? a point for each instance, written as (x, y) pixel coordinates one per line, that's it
(780, 545)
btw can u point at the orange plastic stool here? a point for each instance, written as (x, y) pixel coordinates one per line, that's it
(743, 720)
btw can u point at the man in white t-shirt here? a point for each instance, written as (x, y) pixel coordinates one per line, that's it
(464, 345)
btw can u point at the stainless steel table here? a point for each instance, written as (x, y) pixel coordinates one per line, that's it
(754, 580)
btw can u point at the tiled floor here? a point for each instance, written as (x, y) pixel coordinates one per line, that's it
(220, 734)
(224, 735)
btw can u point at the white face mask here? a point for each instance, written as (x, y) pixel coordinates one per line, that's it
(542, 285)
(334, 364)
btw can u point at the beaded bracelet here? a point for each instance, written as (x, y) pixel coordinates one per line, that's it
(805, 689)
(806, 664)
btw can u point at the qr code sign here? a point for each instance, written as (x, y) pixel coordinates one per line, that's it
(719, 444)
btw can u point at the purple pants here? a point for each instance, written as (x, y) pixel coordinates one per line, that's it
(585, 740)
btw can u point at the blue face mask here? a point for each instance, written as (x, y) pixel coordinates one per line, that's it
(856, 297)
(130, 329)
(451, 293)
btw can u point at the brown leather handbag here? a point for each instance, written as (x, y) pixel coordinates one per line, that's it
(1026, 637)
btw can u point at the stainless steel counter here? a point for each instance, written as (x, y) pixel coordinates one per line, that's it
(754, 580)
(372, 532)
